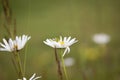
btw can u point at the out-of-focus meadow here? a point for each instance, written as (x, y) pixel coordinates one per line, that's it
(82, 19)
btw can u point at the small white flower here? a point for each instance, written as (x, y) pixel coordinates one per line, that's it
(61, 43)
(14, 45)
(69, 61)
(31, 78)
(101, 38)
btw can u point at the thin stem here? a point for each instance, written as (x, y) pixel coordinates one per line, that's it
(19, 64)
(14, 64)
(25, 56)
(64, 68)
(8, 16)
(58, 63)
(7, 11)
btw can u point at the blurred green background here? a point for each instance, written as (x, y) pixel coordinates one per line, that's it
(42, 19)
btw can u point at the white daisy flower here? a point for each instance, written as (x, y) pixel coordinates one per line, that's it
(101, 38)
(31, 78)
(61, 43)
(14, 45)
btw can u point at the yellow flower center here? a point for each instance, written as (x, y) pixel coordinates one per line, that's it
(61, 42)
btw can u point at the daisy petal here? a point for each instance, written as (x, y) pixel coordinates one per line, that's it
(32, 77)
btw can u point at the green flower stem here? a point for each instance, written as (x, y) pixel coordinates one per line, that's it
(64, 68)
(14, 64)
(25, 56)
(19, 64)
